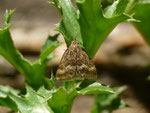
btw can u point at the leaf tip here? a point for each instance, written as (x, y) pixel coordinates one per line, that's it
(8, 15)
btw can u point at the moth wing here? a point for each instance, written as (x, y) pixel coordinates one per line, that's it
(67, 66)
(84, 66)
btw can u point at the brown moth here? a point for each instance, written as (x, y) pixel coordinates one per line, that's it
(75, 65)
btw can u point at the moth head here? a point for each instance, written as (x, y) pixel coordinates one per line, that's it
(74, 43)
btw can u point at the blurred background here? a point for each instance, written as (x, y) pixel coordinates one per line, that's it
(121, 59)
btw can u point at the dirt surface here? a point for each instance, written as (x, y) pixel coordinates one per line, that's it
(117, 59)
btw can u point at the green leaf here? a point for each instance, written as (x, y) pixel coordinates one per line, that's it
(40, 66)
(33, 72)
(58, 100)
(56, 4)
(63, 97)
(95, 88)
(51, 81)
(50, 45)
(5, 100)
(96, 26)
(141, 11)
(31, 102)
(88, 25)
(61, 101)
(69, 26)
(44, 93)
(10, 53)
(8, 16)
(109, 102)
(39, 71)
(117, 8)
(131, 5)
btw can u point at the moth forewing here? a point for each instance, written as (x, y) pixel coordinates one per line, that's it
(67, 67)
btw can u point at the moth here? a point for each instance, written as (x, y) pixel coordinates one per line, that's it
(75, 64)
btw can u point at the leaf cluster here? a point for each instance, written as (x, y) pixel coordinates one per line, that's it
(89, 25)
(56, 100)
(33, 72)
